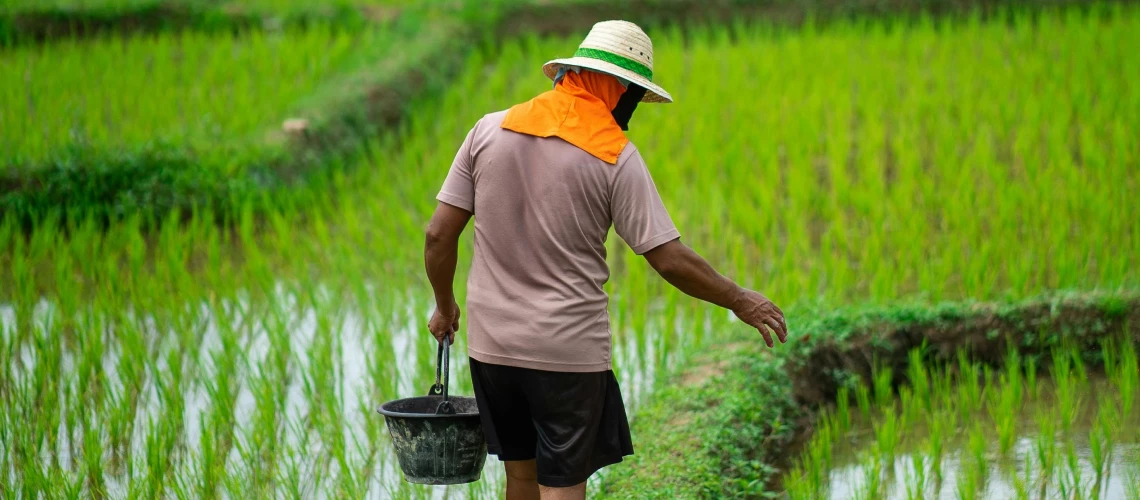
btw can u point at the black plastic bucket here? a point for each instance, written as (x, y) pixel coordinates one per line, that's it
(438, 438)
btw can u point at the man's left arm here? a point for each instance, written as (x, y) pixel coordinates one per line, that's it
(441, 252)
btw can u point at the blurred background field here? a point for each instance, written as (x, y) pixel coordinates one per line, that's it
(197, 90)
(241, 348)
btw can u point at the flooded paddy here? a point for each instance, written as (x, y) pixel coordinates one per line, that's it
(1013, 434)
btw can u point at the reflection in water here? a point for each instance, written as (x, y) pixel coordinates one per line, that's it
(851, 477)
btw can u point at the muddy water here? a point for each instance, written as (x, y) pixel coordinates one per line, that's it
(852, 464)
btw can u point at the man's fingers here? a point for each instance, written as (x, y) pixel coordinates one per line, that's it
(782, 332)
(767, 336)
(775, 326)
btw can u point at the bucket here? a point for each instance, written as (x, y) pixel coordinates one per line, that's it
(438, 438)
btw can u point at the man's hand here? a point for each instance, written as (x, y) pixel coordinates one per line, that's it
(690, 273)
(760, 313)
(445, 322)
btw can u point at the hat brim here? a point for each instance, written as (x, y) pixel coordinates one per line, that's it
(654, 92)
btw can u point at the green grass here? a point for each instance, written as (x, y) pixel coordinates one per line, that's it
(864, 162)
(1073, 439)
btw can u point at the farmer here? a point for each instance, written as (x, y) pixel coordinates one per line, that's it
(545, 180)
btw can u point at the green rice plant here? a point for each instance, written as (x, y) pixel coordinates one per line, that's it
(842, 411)
(1022, 482)
(968, 483)
(977, 448)
(809, 477)
(1003, 405)
(887, 434)
(916, 478)
(1045, 450)
(863, 400)
(969, 387)
(1031, 388)
(1125, 376)
(1013, 376)
(1101, 442)
(883, 387)
(1068, 381)
(1134, 481)
(872, 479)
(919, 379)
(1069, 485)
(911, 409)
(943, 427)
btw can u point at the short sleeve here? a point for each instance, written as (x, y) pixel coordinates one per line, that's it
(459, 187)
(639, 214)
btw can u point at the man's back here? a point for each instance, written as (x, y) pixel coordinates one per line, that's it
(543, 208)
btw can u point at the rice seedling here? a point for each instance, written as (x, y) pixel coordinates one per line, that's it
(1101, 441)
(968, 484)
(1125, 377)
(883, 391)
(943, 427)
(1005, 401)
(1045, 450)
(916, 478)
(887, 435)
(1134, 482)
(919, 380)
(1066, 379)
(969, 387)
(1022, 482)
(863, 400)
(285, 328)
(910, 408)
(842, 411)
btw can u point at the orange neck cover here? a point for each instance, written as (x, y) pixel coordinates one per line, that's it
(579, 111)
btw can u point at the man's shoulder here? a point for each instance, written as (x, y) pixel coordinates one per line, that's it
(494, 119)
(629, 153)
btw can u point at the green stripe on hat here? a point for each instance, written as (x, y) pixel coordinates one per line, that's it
(620, 61)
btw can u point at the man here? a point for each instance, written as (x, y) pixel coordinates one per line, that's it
(545, 180)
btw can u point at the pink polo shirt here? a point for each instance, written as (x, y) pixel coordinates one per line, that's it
(542, 211)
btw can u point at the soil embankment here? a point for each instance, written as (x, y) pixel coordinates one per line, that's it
(740, 411)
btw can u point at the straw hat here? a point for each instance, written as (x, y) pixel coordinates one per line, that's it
(618, 48)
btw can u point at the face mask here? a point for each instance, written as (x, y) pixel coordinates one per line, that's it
(628, 102)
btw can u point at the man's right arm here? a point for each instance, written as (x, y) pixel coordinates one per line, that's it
(692, 274)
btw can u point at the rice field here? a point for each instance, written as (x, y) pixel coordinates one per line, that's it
(125, 5)
(1027, 430)
(196, 91)
(859, 162)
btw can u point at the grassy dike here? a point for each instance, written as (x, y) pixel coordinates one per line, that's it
(730, 422)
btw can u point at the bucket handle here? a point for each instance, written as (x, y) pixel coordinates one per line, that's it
(442, 359)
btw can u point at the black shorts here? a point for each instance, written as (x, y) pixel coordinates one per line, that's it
(571, 424)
